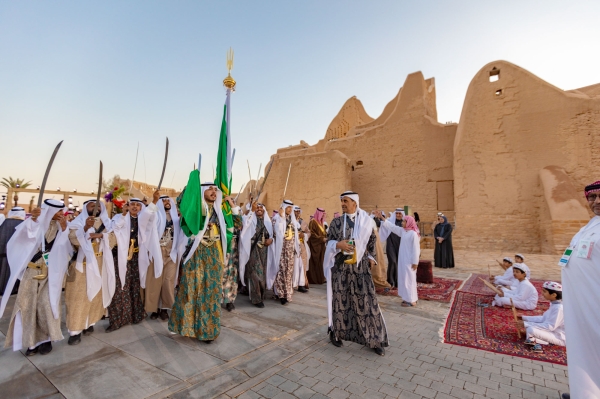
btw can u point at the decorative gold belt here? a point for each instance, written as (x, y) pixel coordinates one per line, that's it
(289, 233)
(209, 241)
(132, 250)
(41, 267)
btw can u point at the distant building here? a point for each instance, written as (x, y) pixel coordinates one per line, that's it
(511, 172)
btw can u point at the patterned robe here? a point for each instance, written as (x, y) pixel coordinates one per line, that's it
(230, 272)
(284, 281)
(127, 305)
(356, 313)
(197, 309)
(303, 227)
(256, 268)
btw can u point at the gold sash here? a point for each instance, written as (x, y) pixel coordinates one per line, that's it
(289, 232)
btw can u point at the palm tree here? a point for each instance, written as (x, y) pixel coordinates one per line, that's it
(14, 183)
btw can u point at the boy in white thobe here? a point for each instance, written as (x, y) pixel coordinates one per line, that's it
(524, 296)
(550, 327)
(507, 279)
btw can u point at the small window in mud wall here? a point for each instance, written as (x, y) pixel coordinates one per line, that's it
(445, 195)
(359, 164)
(494, 75)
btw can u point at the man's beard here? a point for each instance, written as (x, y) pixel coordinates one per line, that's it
(168, 207)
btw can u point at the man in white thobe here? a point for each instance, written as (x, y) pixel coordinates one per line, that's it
(581, 279)
(408, 257)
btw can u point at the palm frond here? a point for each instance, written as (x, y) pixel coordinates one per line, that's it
(13, 183)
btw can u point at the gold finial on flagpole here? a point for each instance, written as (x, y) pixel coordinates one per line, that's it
(229, 82)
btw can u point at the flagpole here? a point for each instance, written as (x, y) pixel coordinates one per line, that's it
(224, 155)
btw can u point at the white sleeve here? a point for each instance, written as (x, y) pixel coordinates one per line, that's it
(534, 319)
(386, 226)
(551, 320)
(147, 220)
(33, 227)
(416, 248)
(501, 280)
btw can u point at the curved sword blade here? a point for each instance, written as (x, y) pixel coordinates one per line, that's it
(97, 205)
(164, 165)
(265, 179)
(43, 186)
(286, 182)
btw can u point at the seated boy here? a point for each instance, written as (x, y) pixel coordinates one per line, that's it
(524, 295)
(507, 278)
(550, 327)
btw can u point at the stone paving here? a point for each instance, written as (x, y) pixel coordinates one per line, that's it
(282, 352)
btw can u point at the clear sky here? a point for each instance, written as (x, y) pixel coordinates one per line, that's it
(104, 75)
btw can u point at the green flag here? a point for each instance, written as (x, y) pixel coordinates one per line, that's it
(223, 173)
(192, 220)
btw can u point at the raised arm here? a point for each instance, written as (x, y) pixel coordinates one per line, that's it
(551, 320)
(386, 225)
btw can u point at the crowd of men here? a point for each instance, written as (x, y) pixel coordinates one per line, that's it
(140, 263)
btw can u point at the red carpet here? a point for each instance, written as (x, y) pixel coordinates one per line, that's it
(492, 328)
(441, 290)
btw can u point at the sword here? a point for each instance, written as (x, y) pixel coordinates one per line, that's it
(236, 197)
(164, 165)
(134, 168)
(264, 180)
(249, 177)
(43, 186)
(97, 205)
(257, 176)
(286, 182)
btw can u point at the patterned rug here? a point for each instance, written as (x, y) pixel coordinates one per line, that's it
(441, 290)
(474, 285)
(493, 329)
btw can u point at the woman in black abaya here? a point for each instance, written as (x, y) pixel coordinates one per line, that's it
(444, 254)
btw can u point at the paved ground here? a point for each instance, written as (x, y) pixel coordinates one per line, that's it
(283, 352)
